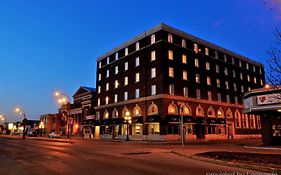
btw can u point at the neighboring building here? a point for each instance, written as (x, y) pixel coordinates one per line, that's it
(80, 112)
(266, 102)
(163, 71)
(52, 123)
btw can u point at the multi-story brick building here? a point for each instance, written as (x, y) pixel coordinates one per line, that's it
(164, 73)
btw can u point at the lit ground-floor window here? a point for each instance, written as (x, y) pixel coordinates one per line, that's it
(137, 129)
(154, 128)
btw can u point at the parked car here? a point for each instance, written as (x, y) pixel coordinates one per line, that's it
(32, 134)
(54, 135)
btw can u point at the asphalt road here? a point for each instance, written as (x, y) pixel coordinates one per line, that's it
(101, 158)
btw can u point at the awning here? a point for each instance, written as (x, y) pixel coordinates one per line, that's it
(221, 121)
(211, 121)
(188, 119)
(200, 120)
(104, 122)
(116, 121)
(137, 120)
(153, 118)
(172, 119)
(90, 122)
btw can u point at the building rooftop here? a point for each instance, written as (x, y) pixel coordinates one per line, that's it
(183, 34)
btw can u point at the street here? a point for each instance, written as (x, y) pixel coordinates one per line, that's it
(102, 157)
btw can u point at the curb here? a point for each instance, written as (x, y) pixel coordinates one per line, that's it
(39, 139)
(231, 164)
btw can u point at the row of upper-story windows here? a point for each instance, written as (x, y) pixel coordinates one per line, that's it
(233, 61)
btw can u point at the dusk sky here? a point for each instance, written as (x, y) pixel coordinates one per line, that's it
(50, 45)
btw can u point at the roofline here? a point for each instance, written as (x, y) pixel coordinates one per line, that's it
(184, 35)
(263, 90)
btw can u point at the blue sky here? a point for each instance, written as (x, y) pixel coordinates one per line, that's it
(50, 45)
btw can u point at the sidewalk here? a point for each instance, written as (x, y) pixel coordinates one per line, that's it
(64, 140)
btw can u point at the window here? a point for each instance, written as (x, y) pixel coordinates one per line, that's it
(197, 78)
(254, 68)
(236, 100)
(125, 81)
(216, 55)
(199, 111)
(247, 66)
(99, 77)
(185, 92)
(196, 62)
(229, 113)
(207, 65)
(184, 60)
(232, 60)
(170, 55)
(153, 89)
(170, 38)
(99, 64)
(198, 94)
(258, 122)
(107, 60)
(245, 120)
(183, 43)
(126, 51)
(219, 97)
(106, 100)
(206, 51)
(152, 39)
(153, 72)
(227, 98)
(217, 69)
(249, 88)
(252, 121)
(261, 82)
(125, 96)
(233, 74)
(240, 63)
(184, 75)
(137, 93)
(209, 95)
(137, 79)
(116, 70)
(126, 66)
(99, 89)
(260, 71)
(115, 98)
(237, 117)
(225, 71)
(171, 89)
(98, 101)
(218, 83)
(209, 80)
(241, 76)
(107, 73)
(171, 72)
(153, 55)
(137, 61)
(226, 85)
(107, 86)
(248, 78)
(225, 58)
(172, 109)
(196, 49)
(116, 56)
(234, 87)
(137, 46)
(116, 84)
(242, 88)
(255, 80)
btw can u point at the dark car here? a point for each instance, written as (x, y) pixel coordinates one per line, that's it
(32, 134)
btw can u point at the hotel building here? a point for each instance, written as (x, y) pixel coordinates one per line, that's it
(164, 74)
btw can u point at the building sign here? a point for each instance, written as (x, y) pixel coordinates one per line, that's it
(269, 99)
(248, 102)
(89, 117)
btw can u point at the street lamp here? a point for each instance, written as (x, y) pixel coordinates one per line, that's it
(24, 121)
(63, 98)
(128, 120)
(180, 113)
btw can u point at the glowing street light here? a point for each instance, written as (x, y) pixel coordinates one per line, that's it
(128, 120)
(24, 121)
(63, 98)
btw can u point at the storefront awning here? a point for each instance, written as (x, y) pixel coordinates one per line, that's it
(116, 121)
(153, 118)
(90, 122)
(104, 122)
(221, 121)
(172, 119)
(211, 121)
(188, 119)
(137, 120)
(200, 120)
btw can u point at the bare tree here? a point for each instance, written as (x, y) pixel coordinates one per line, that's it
(273, 75)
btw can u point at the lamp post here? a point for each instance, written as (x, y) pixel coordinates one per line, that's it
(128, 120)
(24, 121)
(180, 110)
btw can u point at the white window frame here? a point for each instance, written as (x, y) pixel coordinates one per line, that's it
(126, 95)
(137, 61)
(137, 93)
(153, 89)
(153, 55)
(153, 72)
(126, 67)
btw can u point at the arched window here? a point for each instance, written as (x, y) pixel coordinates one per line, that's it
(229, 113)
(186, 110)
(211, 112)
(172, 109)
(125, 112)
(137, 111)
(220, 113)
(245, 121)
(199, 111)
(153, 109)
(237, 117)
(252, 121)
(105, 114)
(115, 113)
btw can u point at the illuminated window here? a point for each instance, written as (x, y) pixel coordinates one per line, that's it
(184, 75)
(125, 96)
(227, 98)
(219, 97)
(233, 74)
(186, 110)
(153, 72)
(241, 76)
(260, 71)
(153, 109)
(105, 114)
(247, 66)
(196, 48)
(185, 92)
(255, 80)
(226, 85)
(116, 56)
(107, 73)
(218, 83)
(237, 117)
(216, 55)
(153, 55)
(137, 78)
(242, 88)
(258, 122)
(99, 77)
(207, 65)
(171, 89)
(172, 109)
(170, 38)
(116, 84)
(229, 114)
(115, 113)
(126, 66)
(170, 54)
(106, 100)
(254, 68)
(198, 94)
(99, 89)
(209, 95)
(153, 89)
(206, 51)
(171, 72)
(252, 121)
(225, 71)
(126, 51)
(125, 81)
(137, 46)
(211, 112)
(234, 87)
(220, 113)
(217, 69)
(137, 93)
(99, 64)
(261, 82)
(137, 63)
(152, 39)
(184, 60)
(98, 102)
(199, 111)
(236, 100)
(249, 88)
(240, 63)
(245, 121)
(107, 86)
(107, 60)
(232, 60)
(225, 58)
(116, 70)
(209, 80)
(197, 78)
(115, 98)
(137, 111)
(196, 62)
(125, 112)
(183, 43)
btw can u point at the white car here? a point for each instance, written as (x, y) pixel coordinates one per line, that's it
(54, 135)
